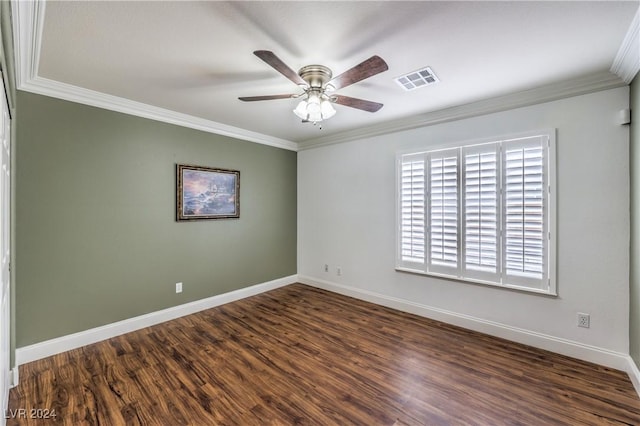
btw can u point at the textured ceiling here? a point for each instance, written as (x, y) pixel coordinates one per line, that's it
(196, 57)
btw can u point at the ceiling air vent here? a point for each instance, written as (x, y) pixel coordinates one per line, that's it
(416, 79)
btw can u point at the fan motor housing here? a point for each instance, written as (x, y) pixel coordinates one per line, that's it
(315, 75)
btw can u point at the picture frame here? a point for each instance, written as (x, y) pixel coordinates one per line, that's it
(205, 193)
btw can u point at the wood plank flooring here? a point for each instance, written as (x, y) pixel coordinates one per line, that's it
(299, 355)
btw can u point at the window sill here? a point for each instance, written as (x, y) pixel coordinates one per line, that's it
(481, 282)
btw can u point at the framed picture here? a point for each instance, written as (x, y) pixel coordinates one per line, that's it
(207, 193)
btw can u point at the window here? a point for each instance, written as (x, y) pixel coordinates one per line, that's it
(480, 212)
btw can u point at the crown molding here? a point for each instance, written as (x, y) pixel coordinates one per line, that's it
(28, 21)
(578, 86)
(627, 62)
(43, 86)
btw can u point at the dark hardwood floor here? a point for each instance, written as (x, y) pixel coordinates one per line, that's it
(299, 355)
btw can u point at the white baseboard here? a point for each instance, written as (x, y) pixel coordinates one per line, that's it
(14, 375)
(72, 341)
(608, 358)
(634, 373)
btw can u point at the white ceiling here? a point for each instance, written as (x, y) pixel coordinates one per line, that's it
(196, 57)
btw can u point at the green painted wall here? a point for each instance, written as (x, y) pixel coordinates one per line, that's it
(97, 240)
(634, 279)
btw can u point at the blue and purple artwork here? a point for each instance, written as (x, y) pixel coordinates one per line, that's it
(208, 193)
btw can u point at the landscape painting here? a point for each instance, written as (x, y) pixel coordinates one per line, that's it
(207, 193)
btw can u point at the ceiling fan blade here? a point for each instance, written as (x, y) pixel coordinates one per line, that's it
(277, 64)
(264, 98)
(372, 66)
(356, 103)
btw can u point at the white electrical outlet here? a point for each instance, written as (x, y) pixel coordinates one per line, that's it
(326, 267)
(338, 271)
(584, 320)
(178, 287)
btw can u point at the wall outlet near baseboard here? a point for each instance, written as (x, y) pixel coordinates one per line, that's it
(178, 287)
(584, 320)
(326, 267)
(338, 271)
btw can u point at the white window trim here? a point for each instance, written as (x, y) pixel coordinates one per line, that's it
(550, 215)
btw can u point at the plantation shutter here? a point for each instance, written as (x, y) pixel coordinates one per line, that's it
(412, 210)
(525, 200)
(481, 215)
(443, 211)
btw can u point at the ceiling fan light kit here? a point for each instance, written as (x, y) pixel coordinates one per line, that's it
(315, 108)
(317, 105)
(316, 81)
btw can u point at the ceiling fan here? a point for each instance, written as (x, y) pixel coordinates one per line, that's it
(317, 84)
